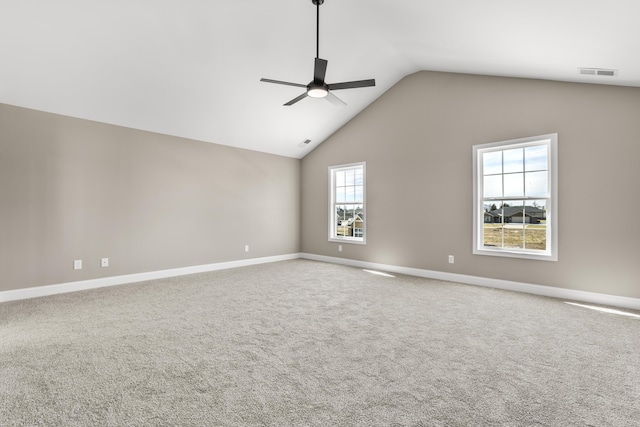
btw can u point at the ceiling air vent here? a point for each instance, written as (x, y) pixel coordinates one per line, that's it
(304, 143)
(598, 72)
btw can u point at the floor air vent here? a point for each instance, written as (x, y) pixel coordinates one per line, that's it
(598, 72)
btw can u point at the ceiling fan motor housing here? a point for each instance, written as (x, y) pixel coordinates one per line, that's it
(317, 2)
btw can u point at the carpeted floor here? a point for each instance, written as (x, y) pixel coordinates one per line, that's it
(303, 343)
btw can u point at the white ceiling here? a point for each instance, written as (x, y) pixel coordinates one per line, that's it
(192, 68)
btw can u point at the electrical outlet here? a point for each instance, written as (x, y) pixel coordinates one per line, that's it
(339, 248)
(104, 262)
(246, 248)
(77, 264)
(450, 259)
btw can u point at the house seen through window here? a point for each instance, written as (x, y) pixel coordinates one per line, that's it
(515, 198)
(347, 203)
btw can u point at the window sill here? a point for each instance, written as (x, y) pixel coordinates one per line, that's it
(506, 253)
(353, 240)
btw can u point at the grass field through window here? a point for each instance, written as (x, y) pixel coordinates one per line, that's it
(516, 236)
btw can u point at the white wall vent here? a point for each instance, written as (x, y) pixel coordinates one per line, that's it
(304, 143)
(598, 72)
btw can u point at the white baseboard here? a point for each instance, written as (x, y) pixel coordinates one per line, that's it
(548, 291)
(41, 291)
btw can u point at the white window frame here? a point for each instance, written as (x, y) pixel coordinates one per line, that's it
(333, 237)
(551, 252)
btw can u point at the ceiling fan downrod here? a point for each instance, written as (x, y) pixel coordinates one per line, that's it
(317, 3)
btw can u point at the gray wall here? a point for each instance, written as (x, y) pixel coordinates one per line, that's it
(75, 189)
(417, 139)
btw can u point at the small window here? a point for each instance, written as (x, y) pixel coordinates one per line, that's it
(515, 198)
(347, 203)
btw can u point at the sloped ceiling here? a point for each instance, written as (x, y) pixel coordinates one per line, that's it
(192, 68)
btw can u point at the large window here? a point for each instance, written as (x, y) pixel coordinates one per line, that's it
(515, 198)
(346, 203)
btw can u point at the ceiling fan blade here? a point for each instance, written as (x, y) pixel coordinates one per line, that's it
(319, 70)
(282, 83)
(352, 85)
(335, 100)
(296, 99)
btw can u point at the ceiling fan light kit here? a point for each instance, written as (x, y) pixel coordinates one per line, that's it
(317, 91)
(318, 88)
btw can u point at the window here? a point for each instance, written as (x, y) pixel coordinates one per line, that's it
(346, 203)
(515, 198)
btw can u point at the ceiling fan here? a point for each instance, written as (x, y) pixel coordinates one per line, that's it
(318, 88)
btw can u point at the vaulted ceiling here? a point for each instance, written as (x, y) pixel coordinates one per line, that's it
(192, 68)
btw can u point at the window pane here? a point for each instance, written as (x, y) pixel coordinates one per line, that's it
(536, 227)
(536, 237)
(350, 194)
(535, 158)
(514, 235)
(340, 195)
(492, 186)
(340, 178)
(492, 163)
(513, 218)
(513, 160)
(514, 185)
(359, 194)
(536, 184)
(348, 219)
(515, 224)
(350, 175)
(341, 212)
(359, 176)
(493, 235)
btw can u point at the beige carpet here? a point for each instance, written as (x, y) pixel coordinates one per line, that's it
(303, 343)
